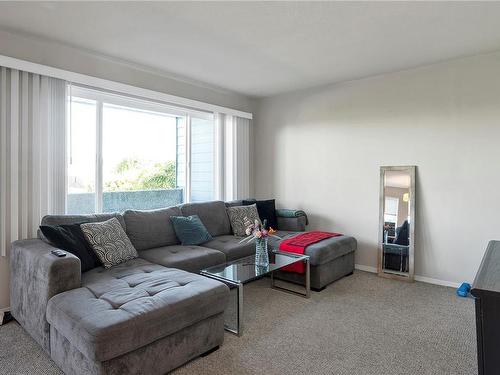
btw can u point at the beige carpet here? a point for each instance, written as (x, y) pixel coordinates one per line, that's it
(359, 325)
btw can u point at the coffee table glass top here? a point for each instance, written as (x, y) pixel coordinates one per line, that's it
(244, 269)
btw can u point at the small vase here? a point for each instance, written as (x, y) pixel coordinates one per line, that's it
(261, 254)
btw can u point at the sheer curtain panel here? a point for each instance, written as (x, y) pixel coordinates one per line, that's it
(242, 170)
(237, 141)
(32, 152)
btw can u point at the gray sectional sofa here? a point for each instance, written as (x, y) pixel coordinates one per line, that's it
(151, 314)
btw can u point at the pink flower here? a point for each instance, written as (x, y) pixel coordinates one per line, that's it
(265, 233)
(258, 234)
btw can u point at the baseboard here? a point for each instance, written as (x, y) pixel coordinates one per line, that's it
(430, 280)
(423, 279)
(365, 268)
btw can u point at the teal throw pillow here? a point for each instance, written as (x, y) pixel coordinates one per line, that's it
(190, 230)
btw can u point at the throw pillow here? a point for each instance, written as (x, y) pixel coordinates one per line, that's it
(70, 238)
(190, 230)
(266, 210)
(109, 241)
(237, 217)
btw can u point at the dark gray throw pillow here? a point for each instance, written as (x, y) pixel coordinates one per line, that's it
(266, 210)
(109, 241)
(69, 237)
(190, 230)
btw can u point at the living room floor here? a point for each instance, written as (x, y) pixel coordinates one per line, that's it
(361, 324)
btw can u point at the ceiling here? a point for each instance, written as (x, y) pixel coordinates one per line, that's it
(265, 48)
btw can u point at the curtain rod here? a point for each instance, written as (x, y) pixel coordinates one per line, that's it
(83, 79)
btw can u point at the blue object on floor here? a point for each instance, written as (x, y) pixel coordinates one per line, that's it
(463, 290)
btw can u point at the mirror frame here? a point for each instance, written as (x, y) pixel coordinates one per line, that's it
(411, 169)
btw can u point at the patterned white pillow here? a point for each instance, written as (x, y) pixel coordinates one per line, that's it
(109, 241)
(237, 215)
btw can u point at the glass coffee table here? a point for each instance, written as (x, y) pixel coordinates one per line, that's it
(239, 272)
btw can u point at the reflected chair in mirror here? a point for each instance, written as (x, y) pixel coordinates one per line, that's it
(396, 251)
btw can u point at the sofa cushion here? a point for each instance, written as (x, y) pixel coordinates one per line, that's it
(332, 248)
(237, 202)
(109, 241)
(77, 219)
(149, 229)
(189, 258)
(132, 305)
(231, 247)
(212, 214)
(190, 230)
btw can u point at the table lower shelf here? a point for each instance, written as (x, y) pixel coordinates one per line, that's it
(237, 329)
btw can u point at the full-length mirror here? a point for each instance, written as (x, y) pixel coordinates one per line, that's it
(397, 222)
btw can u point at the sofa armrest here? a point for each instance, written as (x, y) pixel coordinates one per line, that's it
(292, 220)
(294, 224)
(35, 276)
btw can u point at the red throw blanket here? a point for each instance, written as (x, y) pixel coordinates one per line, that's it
(298, 245)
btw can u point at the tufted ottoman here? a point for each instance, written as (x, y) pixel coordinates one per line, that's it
(331, 259)
(135, 318)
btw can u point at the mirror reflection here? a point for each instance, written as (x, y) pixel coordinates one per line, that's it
(397, 187)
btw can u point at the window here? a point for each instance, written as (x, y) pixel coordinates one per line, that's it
(391, 210)
(129, 153)
(81, 159)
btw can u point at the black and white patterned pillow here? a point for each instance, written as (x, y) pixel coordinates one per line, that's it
(237, 215)
(109, 241)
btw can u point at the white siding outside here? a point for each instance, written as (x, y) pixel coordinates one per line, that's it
(181, 154)
(202, 158)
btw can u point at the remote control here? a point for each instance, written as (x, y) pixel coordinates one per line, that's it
(58, 253)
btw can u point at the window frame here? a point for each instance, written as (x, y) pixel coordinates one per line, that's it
(102, 97)
(390, 214)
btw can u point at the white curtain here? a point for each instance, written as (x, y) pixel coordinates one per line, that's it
(242, 178)
(237, 157)
(32, 152)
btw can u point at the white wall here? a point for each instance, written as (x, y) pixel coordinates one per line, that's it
(320, 150)
(65, 57)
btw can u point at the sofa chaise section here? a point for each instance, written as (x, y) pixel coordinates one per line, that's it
(134, 306)
(58, 306)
